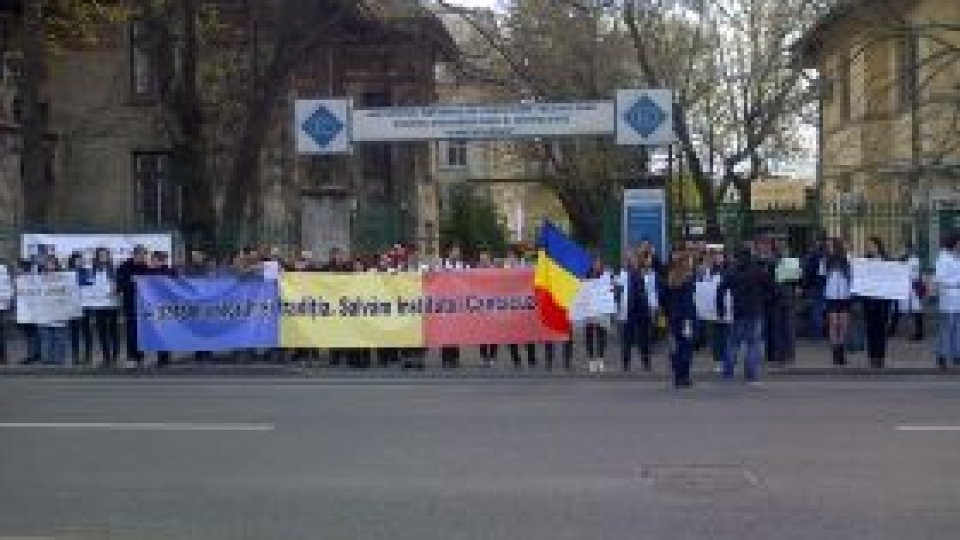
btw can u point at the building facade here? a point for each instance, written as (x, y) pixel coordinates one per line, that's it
(112, 165)
(890, 119)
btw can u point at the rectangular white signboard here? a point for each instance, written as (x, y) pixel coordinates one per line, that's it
(48, 298)
(880, 279)
(120, 245)
(482, 121)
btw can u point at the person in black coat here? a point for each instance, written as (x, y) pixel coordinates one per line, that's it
(876, 312)
(681, 314)
(750, 286)
(643, 297)
(160, 266)
(137, 265)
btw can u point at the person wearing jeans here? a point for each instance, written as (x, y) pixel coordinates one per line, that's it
(947, 285)
(52, 334)
(749, 286)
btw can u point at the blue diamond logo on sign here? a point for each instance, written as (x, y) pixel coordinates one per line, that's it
(645, 116)
(322, 126)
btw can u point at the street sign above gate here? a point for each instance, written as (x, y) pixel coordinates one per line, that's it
(636, 117)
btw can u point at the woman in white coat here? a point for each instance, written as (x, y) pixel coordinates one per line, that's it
(947, 282)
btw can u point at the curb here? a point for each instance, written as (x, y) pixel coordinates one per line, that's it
(301, 372)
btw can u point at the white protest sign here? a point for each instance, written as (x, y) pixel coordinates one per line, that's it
(120, 245)
(271, 270)
(890, 280)
(48, 298)
(595, 299)
(705, 299)
(101, 294)
(6, 288)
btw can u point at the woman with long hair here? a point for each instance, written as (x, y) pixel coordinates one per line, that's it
(80, 326)
(104, 279)
(681, 315)
(836, 270)
(876, 312)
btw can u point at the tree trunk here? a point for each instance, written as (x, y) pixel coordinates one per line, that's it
(35, 191)
(586, 216)
(199, 219)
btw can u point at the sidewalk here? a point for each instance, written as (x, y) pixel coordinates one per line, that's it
(812, 359)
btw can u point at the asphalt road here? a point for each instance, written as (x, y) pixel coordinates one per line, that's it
(552, 459)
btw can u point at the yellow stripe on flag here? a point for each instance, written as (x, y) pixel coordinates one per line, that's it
(553, 278)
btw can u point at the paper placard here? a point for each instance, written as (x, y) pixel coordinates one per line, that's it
(47, 298)
(705, 299)
(102, 294)
(890, 280)
(595, 299)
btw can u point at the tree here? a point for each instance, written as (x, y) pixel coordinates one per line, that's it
(738, 91)
(470, 221)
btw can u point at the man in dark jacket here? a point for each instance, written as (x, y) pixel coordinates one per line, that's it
(812, 282)
(137, 265)
(751, 287)
(638, 328)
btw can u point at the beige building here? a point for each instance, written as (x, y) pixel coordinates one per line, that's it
(498, 168)
(890, 130)
(111, 162)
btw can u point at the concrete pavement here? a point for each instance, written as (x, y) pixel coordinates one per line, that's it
(514, 458)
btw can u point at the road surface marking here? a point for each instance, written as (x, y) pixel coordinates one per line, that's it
(137, 426)
(928, 428)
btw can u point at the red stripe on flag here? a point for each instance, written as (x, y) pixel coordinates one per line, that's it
(551, 313)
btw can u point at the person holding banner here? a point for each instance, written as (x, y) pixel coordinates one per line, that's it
(103, 305)
(596, 327)
(450, 356)
(913, 305)
(80, 326)
(836, 292)
(31, 266)
(53, 333)
(876, 312)
(137, 265)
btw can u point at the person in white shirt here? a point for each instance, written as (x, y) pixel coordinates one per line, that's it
(947, 285)
(836, 268)
(912, 306)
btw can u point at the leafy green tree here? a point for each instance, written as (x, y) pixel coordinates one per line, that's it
(470, 220)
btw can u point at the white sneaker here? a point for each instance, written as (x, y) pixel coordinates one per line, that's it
(717, 368)
(754, 384)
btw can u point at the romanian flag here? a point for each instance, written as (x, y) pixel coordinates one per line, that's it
(561, 264)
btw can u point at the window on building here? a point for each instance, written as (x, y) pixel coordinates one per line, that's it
(159, 201)
(143, 65)
(842, 91)
(907, 72)
(455, 155)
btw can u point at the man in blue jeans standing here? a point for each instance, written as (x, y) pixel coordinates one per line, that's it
(750, 286)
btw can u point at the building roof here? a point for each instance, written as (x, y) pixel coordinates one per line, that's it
(807, 48)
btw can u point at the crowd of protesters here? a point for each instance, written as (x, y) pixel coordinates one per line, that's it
(760, 288)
